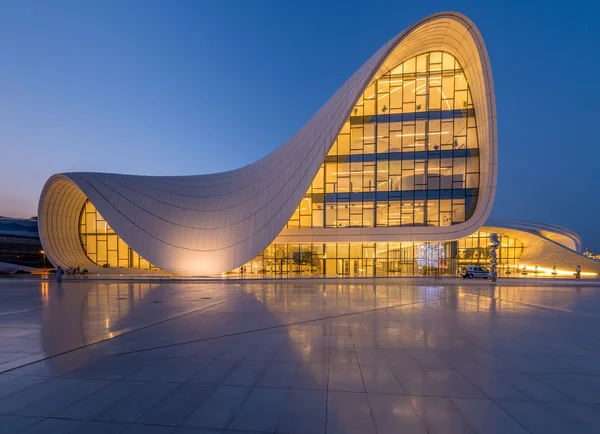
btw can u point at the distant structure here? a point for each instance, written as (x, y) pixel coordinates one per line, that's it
(394, 175)
(20, 246)
(591, 255)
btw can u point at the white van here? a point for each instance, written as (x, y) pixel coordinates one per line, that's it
(471, 271)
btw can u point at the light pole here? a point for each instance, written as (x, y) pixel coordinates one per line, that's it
(44, 253)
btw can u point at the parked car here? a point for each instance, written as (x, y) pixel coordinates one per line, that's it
(471, 271)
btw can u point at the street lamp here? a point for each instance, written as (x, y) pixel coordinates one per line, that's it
(44, 253)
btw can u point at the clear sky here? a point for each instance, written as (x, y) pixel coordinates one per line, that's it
(191, 87)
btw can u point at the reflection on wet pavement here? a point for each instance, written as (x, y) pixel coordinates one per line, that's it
(299, 357)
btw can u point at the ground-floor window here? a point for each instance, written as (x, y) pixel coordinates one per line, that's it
(380, 259)
(103, 246)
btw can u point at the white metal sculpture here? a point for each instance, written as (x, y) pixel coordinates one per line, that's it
(493, 258)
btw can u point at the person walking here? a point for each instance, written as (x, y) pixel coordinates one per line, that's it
(578, 272)
(59, 275)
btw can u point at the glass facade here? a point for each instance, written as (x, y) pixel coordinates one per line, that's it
(407, 156)
(103, 246)
(20, 243)
(474, 250)
(380, 259)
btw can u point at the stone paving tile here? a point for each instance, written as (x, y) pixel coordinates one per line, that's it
(215, 372)
(581, 388)
(441, 415)
(67, 396)
(349, 412)
(153, 370)
(149, 429)
(341, 342)
(345, 378)
(14, 424)
(100, 368)
(289, 352)
(380, 379)
(400, 358)
(262, 353)
(533, 388)
(219, 408)
(417, 381)
(487, 417)
(304, 412)
(184, 372)
(53, 387)
(94, 427)
(278, 375)
(177, 406)
(394, 414)
(371, 357)
(439, 363)
(12, 384)
(188, 430)
(493, 384)
(342, 356)
(315, 354)
(453, 384)
(428, 359)
(63, 426)
(134, 406)
(553, 418)
(246, 373)
(260, 411)
(311, 376)
(95, 403)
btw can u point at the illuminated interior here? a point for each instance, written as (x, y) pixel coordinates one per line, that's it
(382, 259)
(103, 246)
(475, 250)
(407, 156)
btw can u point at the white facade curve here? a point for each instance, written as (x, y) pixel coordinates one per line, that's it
(563, 236)
(550, 248)
(209, 224)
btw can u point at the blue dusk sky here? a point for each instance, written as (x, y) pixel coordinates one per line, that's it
(192, 87)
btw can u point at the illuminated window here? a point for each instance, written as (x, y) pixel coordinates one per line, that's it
(384, 259)
(103, 246)
(411, 136)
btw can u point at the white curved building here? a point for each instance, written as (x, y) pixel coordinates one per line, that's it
(388, 177)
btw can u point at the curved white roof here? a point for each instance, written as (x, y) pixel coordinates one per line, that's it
(563, 236)
(207, 224)
(545, 245)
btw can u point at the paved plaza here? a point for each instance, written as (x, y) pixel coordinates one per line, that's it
(363, 356)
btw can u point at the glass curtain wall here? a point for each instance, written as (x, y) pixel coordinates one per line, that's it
(407, 156)
(103, 246)
(474, 250)
(380, 259)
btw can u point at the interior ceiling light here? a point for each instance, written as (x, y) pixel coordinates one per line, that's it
(433, 133)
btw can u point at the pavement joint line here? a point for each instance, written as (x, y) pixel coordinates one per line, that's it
(541, 306)
(18, 312)
(280, 325)
(124, 332)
